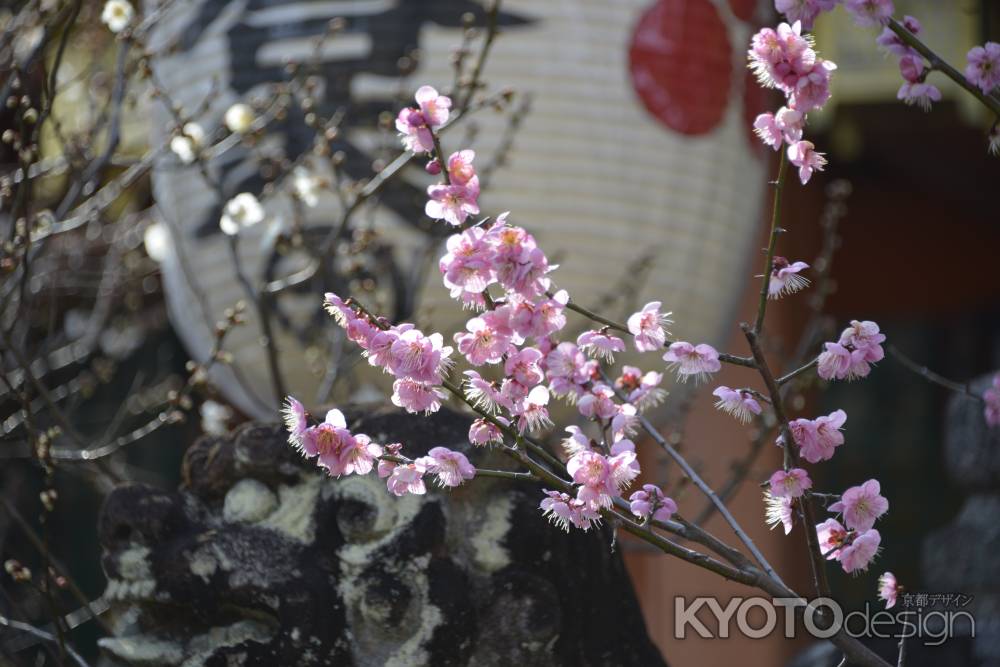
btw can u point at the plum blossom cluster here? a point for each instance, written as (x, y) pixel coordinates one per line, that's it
(982, 68)
(914, 70)
(457, 198)
(855, 542)
(851, 357)
(785, 59)
(341, 452)
(417, 361)
(518, 362)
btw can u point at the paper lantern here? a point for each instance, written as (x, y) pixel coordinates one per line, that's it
(636, 147)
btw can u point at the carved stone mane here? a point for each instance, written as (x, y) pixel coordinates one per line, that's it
(260, 559)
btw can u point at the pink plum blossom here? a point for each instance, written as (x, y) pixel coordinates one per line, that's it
(452, 203)
(766, 127)
(589, 468)
(802, 154)
(412, 127)
(647, 326)
(888, 589)
(841, 363)
(358, 456)
(991, 400)
(415, 124)
(468, 264)
(486, 340)
(483, 432)
(576, 442)
(779, 58)
(859, 346)
(327, 440)
(407, 478)
(598, 403)
(601, 478)
(919, 94)
(520, 264)
(625, 423)
(522, 367)
(870, 12)
(983, 68)
(385, 467)
(461, 171)
(739, 403)
(358, 327)
(860, 552)
(484, 393)
(563, 510)
(914, 90)
(513, 393)
(380, 346)
(567, 369)
(790, 484)
(818, 438)
(452, 468)
(832, 537)
(643, 388)
(600, 344)
(790, 122)
(812, 89)
(911, 68)
(861, 506)
(863, 335)
(416, 396)
(778, 511)
(692, 360)
(435, 107)
(892, 43)
(532, 411)
(650, 502)
(418, 357)
(786, 278)
(294, 416)
(541, 318)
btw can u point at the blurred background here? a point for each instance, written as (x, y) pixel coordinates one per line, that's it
(617, 133)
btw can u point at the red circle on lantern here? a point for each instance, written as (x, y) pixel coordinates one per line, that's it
(680, 61)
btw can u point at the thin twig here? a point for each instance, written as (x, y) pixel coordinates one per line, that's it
(733, 359)
(484, 52)
(931, 376)
(791, 460)
(779, 184)
(710, 494)
(788, 377)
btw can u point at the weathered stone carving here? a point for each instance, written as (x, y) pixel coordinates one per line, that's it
(260, 559)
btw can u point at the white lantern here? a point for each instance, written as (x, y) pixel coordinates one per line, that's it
(636, 147)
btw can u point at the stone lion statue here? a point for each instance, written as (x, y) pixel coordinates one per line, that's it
(261, 559)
